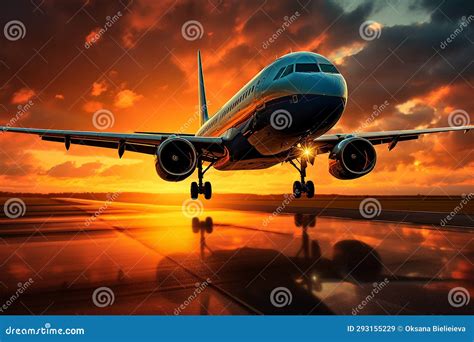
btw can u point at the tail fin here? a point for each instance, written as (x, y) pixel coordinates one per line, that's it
(202, 94)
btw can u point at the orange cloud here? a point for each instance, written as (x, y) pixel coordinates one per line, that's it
(93, 36)
(98, 88)
(23, 95)
(126, 98)
(69, 169)
(433, 98)
(437, 95)
(92, 106)
(59, 97)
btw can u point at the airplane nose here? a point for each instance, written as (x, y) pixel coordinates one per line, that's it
(319, 83)
(335, 86)
(322, 84)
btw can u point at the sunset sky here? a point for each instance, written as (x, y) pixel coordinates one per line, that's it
(143, 70)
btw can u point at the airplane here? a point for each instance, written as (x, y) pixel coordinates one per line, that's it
(280, 115)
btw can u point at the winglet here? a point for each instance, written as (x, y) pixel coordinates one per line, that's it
(202, 93)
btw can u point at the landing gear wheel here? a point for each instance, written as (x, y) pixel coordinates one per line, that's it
(302, 186)
(297, 189)
(198, 187)
(194, 190)
(209, 224)
(309, 189)
(195, 224)
(298, 220)
(207, 190)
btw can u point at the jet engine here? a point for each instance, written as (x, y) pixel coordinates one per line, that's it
(176, 159)
(352, 158)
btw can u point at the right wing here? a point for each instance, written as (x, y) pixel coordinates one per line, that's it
(147, 143)
(326, 143)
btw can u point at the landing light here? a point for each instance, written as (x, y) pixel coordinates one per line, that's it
(307, 152)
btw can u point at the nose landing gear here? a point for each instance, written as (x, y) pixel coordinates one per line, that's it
(300, 187)
(200, 187)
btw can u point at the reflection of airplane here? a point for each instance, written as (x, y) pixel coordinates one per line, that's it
(351, 260)
(278, 116)
(203, 227)
(250, 274)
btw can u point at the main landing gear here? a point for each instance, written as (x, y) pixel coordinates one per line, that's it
(200, 187)
(300, 187)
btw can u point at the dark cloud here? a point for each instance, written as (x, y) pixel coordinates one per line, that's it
(407, 62)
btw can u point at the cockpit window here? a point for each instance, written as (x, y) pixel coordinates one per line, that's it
(279, 73)
(288, 70)
(307, 67)
(329, 68)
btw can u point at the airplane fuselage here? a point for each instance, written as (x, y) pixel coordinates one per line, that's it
(298, 96)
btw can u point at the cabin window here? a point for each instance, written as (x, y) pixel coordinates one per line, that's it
(307, 67)
(288, 70)
(279, 73)
(329, 68)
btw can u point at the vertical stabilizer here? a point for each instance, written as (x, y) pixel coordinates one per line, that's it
(203, 116)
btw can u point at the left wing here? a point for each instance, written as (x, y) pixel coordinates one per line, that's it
(136, 142)
(325, 143)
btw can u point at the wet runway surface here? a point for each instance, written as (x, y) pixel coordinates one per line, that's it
(85, 257)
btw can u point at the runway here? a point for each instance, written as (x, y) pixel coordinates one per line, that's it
(157, 259)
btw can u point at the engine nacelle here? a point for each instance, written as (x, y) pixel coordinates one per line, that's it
(176, 159)
(352, 158)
